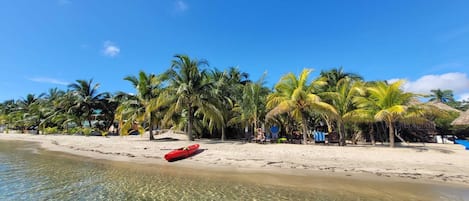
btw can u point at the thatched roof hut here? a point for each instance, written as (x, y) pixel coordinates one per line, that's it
(462, 120)
(443, 106)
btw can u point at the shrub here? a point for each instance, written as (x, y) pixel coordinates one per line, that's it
(51, 130)
(73, 130)
(86, 131)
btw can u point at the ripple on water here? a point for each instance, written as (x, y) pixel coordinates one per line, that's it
(54, 176)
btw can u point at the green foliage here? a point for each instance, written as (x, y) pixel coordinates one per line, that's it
(250, 109)
(104, 133)
(444, 96)
(341, 98)
(443, 122)
(461, 131)
(388, 103)
(460, 105)
(86, 99)
(193, 91)
(86, 131)
(297, 96)
(192, 98)
(51, 130)
(145, 107)
(74, 130)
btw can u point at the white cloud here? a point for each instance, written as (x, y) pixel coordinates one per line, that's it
(110, 49)
(455, 81)
(181, 6)
(464, 96)
(49, 80)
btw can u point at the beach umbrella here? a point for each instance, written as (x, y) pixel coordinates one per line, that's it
(462, 120)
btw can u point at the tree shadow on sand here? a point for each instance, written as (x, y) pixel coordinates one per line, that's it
(166, 139)
(224, 142)
(423, 148)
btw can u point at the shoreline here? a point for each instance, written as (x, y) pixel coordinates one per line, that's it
(442, 164)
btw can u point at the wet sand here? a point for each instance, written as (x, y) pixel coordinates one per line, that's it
(422, 163)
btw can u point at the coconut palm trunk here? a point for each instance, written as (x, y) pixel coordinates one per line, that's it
(391, 133)
(89, 122)
(341, 127)
(150, 129)
(191, 120)
(305, 129)
(372, 134)
(388, 103)
(223, 135)
(296, 96)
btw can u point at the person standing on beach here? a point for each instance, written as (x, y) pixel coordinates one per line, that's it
(260, 135)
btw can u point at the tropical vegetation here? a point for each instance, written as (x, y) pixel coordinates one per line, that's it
(208, 102)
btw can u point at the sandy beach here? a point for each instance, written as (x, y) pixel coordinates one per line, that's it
(427, 163)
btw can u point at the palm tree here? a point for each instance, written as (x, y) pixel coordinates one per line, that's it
(193, 90)
(333, 76)
(386, 103)
(237, 82)
(29, 110)
(67, 114)
(7, 113)
(341, 98)
(54, 95)
(443, 96)
(223, 91)
(251, 108)
(296, 95)
(143, 106)
(108, 108)
(50, 107)
(87, 97)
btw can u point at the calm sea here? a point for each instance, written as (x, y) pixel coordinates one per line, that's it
(29, 173)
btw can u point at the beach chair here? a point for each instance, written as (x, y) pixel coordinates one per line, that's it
(319, 137)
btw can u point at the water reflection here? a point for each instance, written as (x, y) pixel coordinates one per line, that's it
(27, 173)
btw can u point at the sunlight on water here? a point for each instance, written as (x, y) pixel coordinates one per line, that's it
(27, 173)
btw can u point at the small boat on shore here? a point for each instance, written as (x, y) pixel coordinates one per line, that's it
(181, 153)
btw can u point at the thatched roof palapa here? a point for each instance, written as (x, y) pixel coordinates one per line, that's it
(462, 120)
(443, 106)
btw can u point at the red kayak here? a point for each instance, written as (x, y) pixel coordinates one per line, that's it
(181, 153)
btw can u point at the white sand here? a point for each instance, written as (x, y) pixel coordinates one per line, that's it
(446, 163)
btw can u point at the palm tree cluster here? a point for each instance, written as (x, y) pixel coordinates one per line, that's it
(67, 111)
(201, 101)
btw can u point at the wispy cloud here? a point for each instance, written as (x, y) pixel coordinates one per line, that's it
(455, 81)
(181, 6)
(49, 80)
(110, 49)
(64, 2)
(455, 34)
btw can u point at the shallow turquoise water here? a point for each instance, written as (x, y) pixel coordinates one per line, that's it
(28, 173)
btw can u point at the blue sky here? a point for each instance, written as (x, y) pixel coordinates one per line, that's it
(50, 43)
